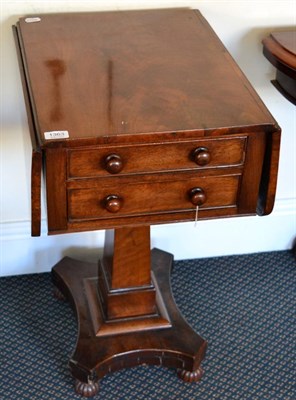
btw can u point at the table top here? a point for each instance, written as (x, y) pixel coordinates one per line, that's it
(286, 39)
(102, 77)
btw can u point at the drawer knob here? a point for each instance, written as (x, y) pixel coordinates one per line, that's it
(113, 203)
(113, 163)
(197, 196)
(201, 156)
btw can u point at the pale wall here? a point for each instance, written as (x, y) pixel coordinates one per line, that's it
(241, 25)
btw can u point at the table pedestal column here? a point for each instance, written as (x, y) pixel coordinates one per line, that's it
(126, 312)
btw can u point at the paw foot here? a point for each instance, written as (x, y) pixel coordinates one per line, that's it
(89, 389)
(190, 376)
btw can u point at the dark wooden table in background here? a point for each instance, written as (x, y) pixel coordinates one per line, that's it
(280, 49)
(139, 118)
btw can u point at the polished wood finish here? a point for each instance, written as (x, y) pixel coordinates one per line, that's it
(113, 203)
(117, 123)
(188, 376)
(168, 194)
(36, 166)
(133, 66)
(36, 169)
(280, 49)
(113, 163)
(122, 281)
(197, 196)
(141, 117)
(157, 157)
(175, 345)
(86, 389)
(55, 171)
(201, 156)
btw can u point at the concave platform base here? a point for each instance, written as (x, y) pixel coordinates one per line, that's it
(173, 345)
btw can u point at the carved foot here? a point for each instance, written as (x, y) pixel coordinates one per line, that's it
(89, 389)
(190, 376)
(58, 294)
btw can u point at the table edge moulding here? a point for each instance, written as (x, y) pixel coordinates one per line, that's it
(137, 118)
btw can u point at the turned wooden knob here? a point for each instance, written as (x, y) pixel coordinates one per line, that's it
(197, 196)
(201, 156)
(113, 203)
(113, 163)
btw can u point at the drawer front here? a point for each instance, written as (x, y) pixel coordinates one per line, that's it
(156, 197)
(110, 160)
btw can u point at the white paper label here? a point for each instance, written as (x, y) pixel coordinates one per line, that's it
(29, 20)
(53, 135)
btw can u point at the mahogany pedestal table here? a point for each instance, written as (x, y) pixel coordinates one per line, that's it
(138, 118)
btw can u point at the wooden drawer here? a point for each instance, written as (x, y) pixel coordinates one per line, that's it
(177, 194)
(108, 160)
